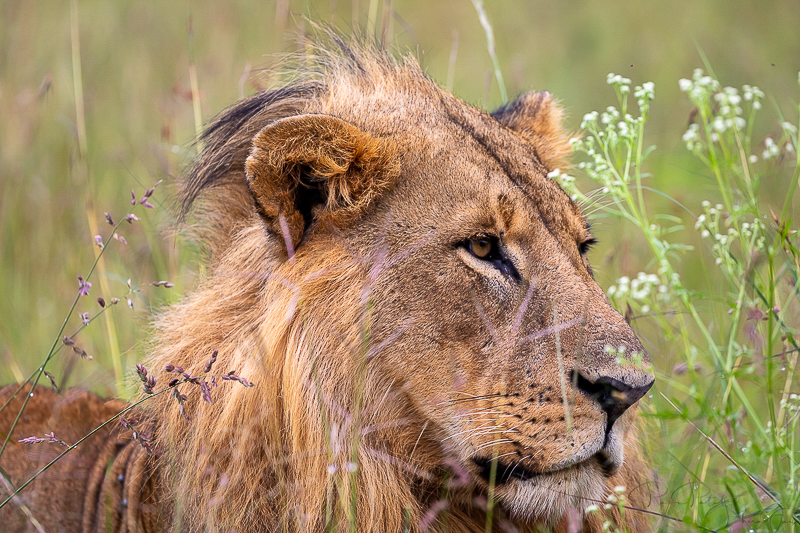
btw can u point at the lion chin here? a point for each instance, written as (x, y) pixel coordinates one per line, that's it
(409, 296)
(578, 483)
(547, 497)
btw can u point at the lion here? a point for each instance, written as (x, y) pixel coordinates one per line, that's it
(409, 294)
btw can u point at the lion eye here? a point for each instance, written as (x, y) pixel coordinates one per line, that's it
(487, 248)
(481, 247)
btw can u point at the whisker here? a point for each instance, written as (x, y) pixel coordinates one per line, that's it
(493, 443)
(456, 434)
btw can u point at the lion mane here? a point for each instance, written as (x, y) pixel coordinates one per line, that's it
(408, 292)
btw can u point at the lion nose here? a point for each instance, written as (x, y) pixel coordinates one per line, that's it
(614, 396)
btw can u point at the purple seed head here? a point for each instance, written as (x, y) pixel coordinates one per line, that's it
(206, 392)
(83, 286)
(148, 384)
(210, 362)
(52, 380)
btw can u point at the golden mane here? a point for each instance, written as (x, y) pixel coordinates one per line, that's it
(233, 461)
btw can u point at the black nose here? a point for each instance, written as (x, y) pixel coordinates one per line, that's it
(614, 396)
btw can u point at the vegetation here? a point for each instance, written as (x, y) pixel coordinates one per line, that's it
(728, 408)
(698, 247)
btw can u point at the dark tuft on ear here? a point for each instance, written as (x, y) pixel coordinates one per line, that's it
(537, 118)
(307, 168)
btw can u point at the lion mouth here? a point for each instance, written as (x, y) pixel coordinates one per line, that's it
(506, 471)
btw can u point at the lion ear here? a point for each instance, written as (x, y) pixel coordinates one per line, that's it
(537, 118)
(307, 168)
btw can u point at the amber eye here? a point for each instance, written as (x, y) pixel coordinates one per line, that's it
(481, 247)
(487, 248)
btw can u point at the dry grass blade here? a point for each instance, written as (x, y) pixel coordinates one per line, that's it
(19, 503)
(487, 28)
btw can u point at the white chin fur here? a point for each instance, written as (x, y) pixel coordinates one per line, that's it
(548, 496)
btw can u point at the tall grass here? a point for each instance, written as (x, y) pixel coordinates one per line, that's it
(98, 100)
(724, 419)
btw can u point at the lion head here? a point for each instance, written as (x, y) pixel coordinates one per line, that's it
(411, 296)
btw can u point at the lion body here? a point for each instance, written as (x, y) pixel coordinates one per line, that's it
(101, 485)
(409, 294)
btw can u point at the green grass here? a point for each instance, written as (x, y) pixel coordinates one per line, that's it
(726, 404)
(146, 82)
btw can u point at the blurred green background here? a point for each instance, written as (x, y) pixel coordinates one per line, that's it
(96, 99)
(61, 168)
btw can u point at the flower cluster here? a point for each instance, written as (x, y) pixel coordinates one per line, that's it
(84, 286)
(75, 348)
(640, 289)
(139, 436)
(700, 87)
(725, 230)
(792, 403)
(614, 500)
(773, 149)
(48, 437)
(612, 138)
(645, 94)
(148, 382)
(721, 111)
(567, 182)
(145, 199)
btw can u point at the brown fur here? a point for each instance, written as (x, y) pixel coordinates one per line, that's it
(101, 485)
(391, 364)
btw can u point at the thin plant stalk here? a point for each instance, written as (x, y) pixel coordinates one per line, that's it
(55, 346)
(79, 441)
(84, 175)
(487, 29)
(195, 87)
